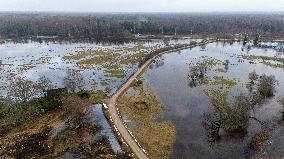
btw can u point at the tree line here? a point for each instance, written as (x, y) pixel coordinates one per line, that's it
(117, 26)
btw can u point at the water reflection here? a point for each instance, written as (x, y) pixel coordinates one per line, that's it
(185, 106)
(32, 58)
(96, 116)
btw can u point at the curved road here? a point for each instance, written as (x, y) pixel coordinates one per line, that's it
(140, 154)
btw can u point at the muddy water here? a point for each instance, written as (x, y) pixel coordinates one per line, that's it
(185, 105)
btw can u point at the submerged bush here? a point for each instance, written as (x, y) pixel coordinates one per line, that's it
(197, 73)
(253, 76)
(229, 116)
(258, 139)
(266, 85)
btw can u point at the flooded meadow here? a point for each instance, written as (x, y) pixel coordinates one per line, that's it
(184, 82)
(177, 93)
(104, 66)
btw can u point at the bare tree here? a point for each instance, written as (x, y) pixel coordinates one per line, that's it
(44, 84)
(74, 81)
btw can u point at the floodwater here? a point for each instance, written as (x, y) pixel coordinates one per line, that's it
(186, 104)
(96, 116)
(32, 59)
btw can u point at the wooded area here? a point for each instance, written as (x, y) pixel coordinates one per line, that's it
(118, 26)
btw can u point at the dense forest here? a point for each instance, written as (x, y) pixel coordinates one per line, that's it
(117, 26)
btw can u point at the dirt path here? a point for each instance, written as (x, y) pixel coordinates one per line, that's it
(138, 151)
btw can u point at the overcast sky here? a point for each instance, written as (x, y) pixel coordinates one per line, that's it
(142, 5)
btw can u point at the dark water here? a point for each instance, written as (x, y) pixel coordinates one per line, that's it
(186, 105)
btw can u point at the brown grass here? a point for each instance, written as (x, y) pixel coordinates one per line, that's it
(156, 137)
(258, 140)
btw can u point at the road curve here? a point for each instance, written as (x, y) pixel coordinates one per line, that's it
(117, 121)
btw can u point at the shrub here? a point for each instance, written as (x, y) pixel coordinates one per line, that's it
(47, 104)
(84, 94)
(52, 101)
(258, 139)
(253, 77)
(231, 117)
(266, 85)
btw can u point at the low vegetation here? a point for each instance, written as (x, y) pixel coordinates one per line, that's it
(39, 121)
(143, 107)
(258, 139)
(198, 73)
(220, 80)
(274, 62)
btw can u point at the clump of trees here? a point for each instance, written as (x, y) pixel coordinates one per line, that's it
(263, 85)
(197, 73)
(234, 116)
(27, 99)
(230, 116)
(266, 85)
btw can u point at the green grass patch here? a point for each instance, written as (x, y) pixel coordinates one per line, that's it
(220, 70)
(212, 62)
(118, 73)
(97, 95)
(220, 80)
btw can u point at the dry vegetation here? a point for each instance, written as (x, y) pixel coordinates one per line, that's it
(37, 139)
(156, 137)
(51, 125)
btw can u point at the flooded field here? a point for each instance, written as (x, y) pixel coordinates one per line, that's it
(182, 81)
(104, 66)
(187, 100)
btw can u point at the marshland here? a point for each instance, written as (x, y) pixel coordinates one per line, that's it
(183, 85)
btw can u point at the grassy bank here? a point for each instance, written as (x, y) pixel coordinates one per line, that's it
(143, 107)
